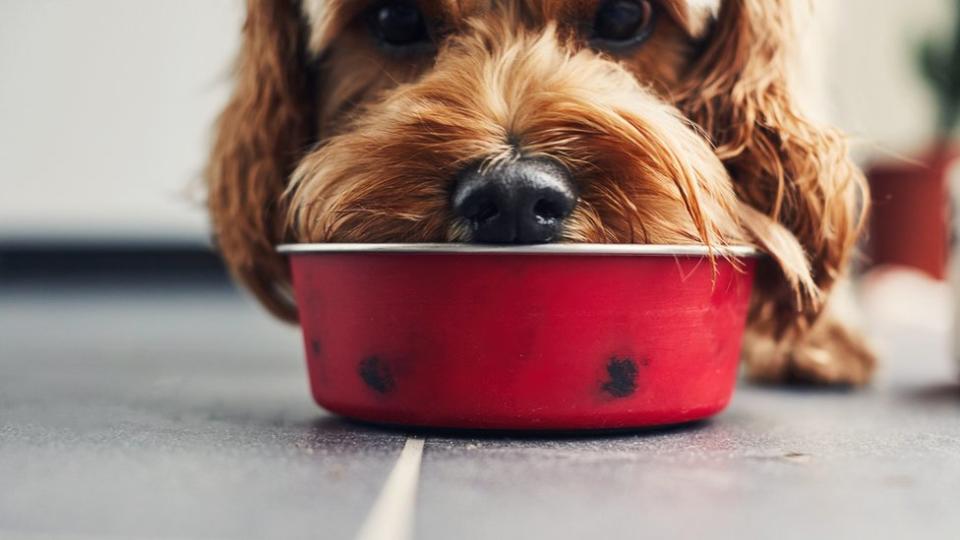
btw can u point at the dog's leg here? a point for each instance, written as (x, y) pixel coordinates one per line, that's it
(832, 352)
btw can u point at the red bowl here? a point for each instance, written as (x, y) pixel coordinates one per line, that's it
(554, 337)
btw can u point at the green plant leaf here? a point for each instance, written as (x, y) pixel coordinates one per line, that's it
(934, 66)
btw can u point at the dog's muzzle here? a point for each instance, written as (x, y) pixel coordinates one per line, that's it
(524, 201)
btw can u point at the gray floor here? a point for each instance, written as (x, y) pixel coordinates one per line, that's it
(184, 413)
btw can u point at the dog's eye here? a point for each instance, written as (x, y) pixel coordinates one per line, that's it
(623, 22)
(399, 24)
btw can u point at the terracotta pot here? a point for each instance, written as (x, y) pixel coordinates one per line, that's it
(910, 217)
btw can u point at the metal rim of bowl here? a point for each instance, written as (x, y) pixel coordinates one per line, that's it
(537, 249)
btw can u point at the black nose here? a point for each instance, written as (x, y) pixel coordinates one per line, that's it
(520, 202)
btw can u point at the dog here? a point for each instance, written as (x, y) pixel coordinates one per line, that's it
(534, 121)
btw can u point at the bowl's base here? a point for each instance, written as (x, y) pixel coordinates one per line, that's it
(598, 423)
(416, 430)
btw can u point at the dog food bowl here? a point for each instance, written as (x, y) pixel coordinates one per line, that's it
(553, 337)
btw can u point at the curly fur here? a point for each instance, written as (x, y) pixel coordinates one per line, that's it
(694, 138)
(260, 138)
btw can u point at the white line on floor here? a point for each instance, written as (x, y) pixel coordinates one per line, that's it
(391, 517)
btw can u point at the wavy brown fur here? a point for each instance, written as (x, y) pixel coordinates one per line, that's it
(786, 166)
(265, 129)
(783, 164)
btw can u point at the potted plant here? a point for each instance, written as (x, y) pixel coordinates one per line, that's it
(910, 211)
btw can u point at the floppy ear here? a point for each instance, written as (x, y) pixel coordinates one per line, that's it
(788, 290)
(782, 164)
(260, 137)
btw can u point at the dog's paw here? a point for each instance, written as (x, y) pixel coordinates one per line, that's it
(828, 355)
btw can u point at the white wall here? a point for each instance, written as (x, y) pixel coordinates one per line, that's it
(875, 90)
(105, 110)
(106, 105)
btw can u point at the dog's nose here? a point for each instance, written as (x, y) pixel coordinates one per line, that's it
(520, 202)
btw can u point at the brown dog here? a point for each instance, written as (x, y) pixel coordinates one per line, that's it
(528, 121)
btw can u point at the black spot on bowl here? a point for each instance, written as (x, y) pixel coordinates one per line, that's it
(622, 373)
(376, 374)
(316, 347)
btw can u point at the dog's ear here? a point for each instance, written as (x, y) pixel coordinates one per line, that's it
(260, 137)
(784, 165)
(788, 290)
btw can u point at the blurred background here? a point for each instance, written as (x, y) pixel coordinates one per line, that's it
(105, 115)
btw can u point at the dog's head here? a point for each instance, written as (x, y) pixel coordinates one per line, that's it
(525, 121)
